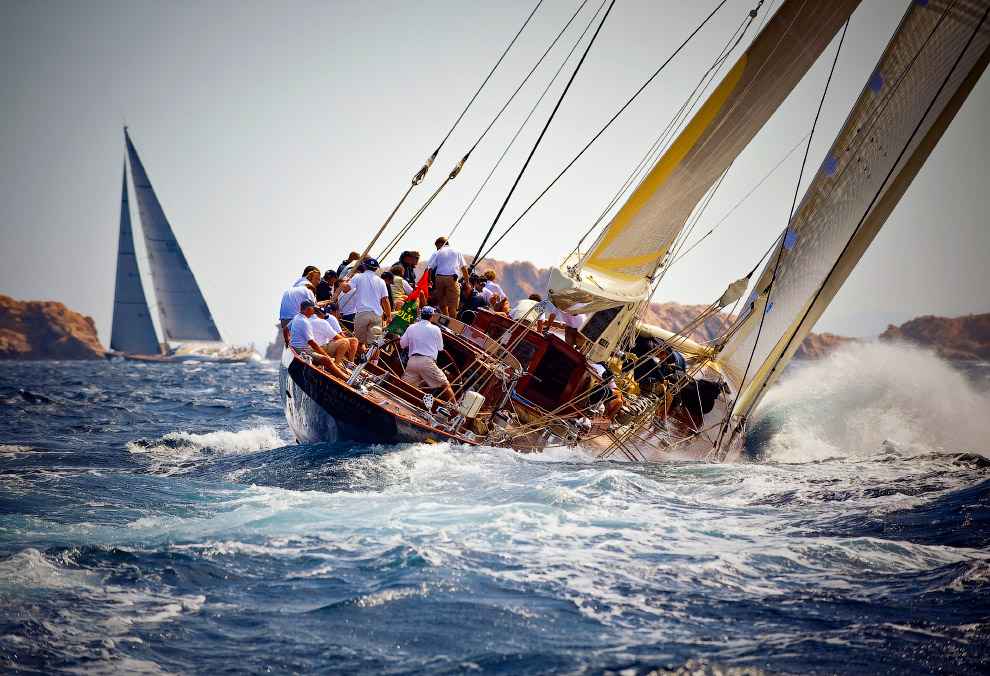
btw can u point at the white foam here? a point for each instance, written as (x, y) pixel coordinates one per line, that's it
(870, 398)
(178, 452)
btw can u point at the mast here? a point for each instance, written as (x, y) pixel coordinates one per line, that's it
(618, 269)
(132, 330)
(182, 309)
(932, 63)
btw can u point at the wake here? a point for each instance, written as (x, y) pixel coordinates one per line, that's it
(867, 399)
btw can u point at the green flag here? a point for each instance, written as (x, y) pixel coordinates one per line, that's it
(404, 317)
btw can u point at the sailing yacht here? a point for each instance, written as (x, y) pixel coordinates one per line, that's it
(190, 332)
(521, 389)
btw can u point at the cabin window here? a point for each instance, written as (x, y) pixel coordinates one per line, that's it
(554, 371)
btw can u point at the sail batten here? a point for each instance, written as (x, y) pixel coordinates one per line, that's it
(182, 309)
(132, 330)
(938, 53)
(639, 236)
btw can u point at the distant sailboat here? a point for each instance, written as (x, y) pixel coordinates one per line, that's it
(186, 321)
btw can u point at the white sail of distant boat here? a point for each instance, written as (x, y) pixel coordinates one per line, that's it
(133, 330)
(182, 309)
(185, 318)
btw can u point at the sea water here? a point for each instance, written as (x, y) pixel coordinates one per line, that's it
(158, 518)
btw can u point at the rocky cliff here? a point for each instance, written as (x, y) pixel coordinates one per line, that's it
(952, 338)
(34, 330)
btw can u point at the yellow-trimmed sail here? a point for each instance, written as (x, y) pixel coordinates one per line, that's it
(631, 248)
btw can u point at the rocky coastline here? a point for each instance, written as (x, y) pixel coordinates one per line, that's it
(46, 330)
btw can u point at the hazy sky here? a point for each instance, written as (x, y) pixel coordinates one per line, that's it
(279, 134)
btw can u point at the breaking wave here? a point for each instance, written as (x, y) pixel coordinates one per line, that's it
(252, 440)
(871, 398)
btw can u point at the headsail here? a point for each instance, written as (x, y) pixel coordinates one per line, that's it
(133, 331)
(936, 57)
(181, 306)
(632, 247)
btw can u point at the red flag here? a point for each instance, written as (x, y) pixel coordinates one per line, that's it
(422, 286)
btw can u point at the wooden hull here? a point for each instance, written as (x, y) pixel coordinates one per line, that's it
(320, 408)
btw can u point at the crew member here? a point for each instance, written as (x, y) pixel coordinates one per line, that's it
(501, 303)
(571, 325)
(525, 312)
(302, 340)
(424, 342)
(371, 306)
(324, 290)
(447, 262)
(307, 272)
(291, 299)
(613, 395)
(327, 332)
(474, 300)
(408, 260)
(353, 256)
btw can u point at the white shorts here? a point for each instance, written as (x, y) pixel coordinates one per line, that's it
(422, 368)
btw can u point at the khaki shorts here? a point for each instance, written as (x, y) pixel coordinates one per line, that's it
(422, 368)
(362, 322)
(448, 290)
(336, 348)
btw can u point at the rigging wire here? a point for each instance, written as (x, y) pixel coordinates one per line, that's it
(421, 174)
(405, 229)
(518, 33)
(533, 109)
(607, 125)
(477, 256)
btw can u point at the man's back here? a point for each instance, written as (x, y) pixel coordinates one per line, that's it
(423, 338)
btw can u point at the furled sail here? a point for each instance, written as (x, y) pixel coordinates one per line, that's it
(132, 331)
(630, 250)
(181, 307)
(935, 58)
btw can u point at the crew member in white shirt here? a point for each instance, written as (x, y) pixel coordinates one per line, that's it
(447, 262)
(327, 334)
(525, 312)
(425, 341)
(291, 299)
(332, 312)
(571, 325)
(501, 304)
(302, 340)
(371, 306)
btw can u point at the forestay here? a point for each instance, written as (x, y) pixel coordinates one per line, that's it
(935, 58)
(629, 251)
(133, 331)
(181, 307)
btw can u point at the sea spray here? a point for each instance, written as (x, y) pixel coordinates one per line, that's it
(871, 398)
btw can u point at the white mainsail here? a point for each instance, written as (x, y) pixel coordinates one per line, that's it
(936, 57)
(132, 331)
(182, 309)
(618, 268)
